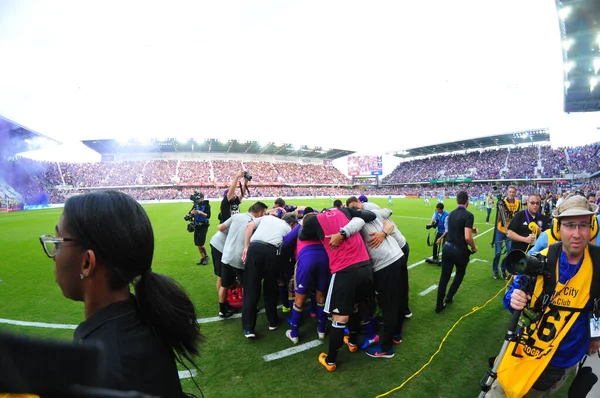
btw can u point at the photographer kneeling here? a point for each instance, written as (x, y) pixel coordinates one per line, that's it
(200, 224)
(559, 325)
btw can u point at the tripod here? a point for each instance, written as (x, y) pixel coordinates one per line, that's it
(511, 335)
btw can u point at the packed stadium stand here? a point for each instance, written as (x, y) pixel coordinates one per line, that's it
(170, 169)
(53, 182)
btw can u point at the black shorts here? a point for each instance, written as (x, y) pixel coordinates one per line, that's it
(200, 234)
(229, 273)
(216, 258)
(348, 287)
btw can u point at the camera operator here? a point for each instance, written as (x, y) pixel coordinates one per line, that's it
(561, 334)
(438, 220)
(456, 250)
(201, 212)
(510, 205)
(527, 225)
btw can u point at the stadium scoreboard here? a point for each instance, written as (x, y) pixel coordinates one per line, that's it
(365, 165)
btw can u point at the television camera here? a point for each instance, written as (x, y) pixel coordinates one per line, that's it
(500, 206)
(198, 199)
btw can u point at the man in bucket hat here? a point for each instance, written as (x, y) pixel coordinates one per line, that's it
(546, 352)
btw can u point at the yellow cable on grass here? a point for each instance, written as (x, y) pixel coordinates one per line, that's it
(474, 310)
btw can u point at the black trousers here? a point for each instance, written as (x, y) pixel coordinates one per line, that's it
(261, 268)
(452, 256)
(437, 249)
(406, 251)
(391, 285)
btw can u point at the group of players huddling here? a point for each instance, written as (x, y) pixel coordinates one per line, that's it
(351, 260)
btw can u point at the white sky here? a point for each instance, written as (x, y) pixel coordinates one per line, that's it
(374, 77)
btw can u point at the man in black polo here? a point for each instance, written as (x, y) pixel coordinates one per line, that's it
(527, 225)
(456, 250)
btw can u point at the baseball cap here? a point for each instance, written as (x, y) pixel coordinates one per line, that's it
(575, 205)
(363, 198)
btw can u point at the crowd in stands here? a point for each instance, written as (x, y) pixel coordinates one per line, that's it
(585, 158)
(514, 163)
(158, 179)
(183, 193)
(159, 171)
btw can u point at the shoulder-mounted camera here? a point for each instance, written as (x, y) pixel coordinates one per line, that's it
(197, 198)
(497, 193)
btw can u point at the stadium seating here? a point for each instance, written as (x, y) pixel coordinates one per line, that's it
(43, 182)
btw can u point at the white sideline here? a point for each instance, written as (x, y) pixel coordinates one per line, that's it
(432, 287)
(184, 374)
(422, 261)
(64, 326)
(201, 320)
(291, 351)
(38, 324)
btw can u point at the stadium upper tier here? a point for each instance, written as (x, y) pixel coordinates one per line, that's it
(515, 163)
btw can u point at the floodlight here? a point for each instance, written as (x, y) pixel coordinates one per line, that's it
(596, 65)
(568, 43)
(593, 82)
(569, 65)
(564, 12)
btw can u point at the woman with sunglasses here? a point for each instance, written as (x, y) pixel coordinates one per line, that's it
(104, 244)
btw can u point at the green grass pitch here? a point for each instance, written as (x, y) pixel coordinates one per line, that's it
(231, 366)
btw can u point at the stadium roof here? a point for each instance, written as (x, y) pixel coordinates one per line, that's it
(212, 145)
(579, 24)
(515, 138)
(15, 138)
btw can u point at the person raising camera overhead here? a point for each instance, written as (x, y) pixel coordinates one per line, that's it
(230, 204)
(564, 310)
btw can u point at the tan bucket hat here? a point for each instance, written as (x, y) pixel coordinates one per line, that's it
(575, 205)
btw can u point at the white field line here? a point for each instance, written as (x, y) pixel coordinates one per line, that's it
(38, 324)
(432, 287)
(422, 261)
(184, 374)
(291, 351)
(415, 264)
(201, 320)
(65, 326)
